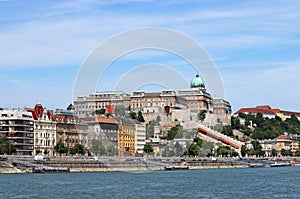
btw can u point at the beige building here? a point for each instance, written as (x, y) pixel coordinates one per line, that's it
(288, 143)
(181, 107)
(44, 131)
(196, 96)
(86, 106)
(152, 102)
(70, 130)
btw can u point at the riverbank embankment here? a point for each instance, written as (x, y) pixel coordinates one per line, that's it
(116, 164)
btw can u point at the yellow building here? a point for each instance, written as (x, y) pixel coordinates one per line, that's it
(126, 137)
(288, 143)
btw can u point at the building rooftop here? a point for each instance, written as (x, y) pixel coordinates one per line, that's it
(107, 120)
(266, 110)
(197, 82)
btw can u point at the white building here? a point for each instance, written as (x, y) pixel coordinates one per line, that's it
(44, 131)
(18, 126)
(140, 136)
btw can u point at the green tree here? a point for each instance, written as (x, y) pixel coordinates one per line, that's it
(79, 149)
(227, 130)
(199, 148)
(150, 128)
(101, 111)
(225, 151)
(235, 123)
(174, 132)
(60, 148)
(98, 147)
(148, 148)
(72, 151)
(202, 115)
(282, 152)
(274, 152)
(285, 152)
(140, 117)
(6, 147)
(193, 149)
(244, 151)
(133, 115)
(257, 149)
(38, 152)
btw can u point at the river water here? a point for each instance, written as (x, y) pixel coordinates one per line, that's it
(216, 183)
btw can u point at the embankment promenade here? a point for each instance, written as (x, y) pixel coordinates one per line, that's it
(116, 164)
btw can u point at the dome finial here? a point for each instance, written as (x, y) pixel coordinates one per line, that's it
(197, 82)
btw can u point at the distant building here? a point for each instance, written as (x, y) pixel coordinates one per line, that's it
(152, 102)
(86, 106)
(18, 126)
(181, 107)
(268, 146)
(44, 130)
(140, 137)
(104, 129)
(126, 137)
(287, 142)
(268, 112)
(196, 96)
(69, 129)
(131, 136)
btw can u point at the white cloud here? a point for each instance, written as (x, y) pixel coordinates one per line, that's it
(68, 40)
(277, 86)
(64, 33)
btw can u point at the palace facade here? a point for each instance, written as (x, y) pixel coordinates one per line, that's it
(174, 107)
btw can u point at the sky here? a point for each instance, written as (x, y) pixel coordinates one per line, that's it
(255, 46)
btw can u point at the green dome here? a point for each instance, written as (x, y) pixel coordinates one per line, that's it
(197, 82)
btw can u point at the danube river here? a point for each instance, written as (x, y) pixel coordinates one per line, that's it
(219, 183)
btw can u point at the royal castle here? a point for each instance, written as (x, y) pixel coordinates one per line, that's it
(181, 107)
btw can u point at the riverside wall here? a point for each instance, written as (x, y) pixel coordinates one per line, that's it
(115, 164)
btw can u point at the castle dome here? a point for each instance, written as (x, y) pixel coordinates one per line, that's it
(197, 82)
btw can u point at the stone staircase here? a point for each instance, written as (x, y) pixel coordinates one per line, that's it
(214, 136)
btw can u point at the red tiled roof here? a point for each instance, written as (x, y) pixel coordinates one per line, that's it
(265, 107)
(63, 118)
(168, 126)
(107, 120)
(276, 110)
(266, 110)
(37, 110)
(282, 137)
(255, 110)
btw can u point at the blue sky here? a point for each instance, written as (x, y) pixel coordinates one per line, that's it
(254, 44)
